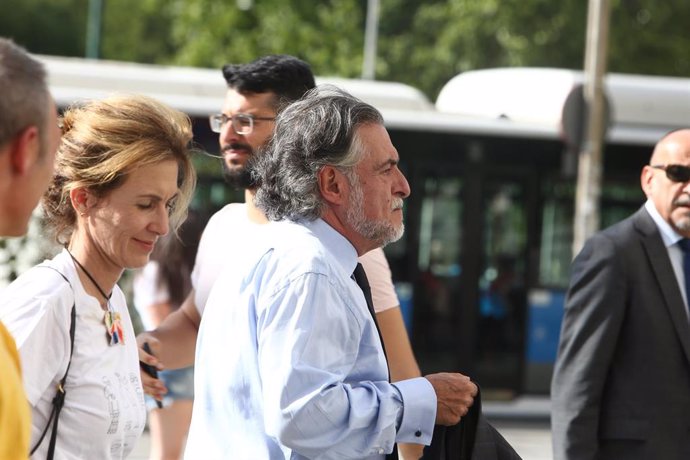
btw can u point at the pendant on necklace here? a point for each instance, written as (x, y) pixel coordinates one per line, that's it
(113, 325)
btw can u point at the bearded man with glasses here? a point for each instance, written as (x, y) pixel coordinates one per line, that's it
(621, 385)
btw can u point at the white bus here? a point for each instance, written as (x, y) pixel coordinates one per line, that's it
(484, 263)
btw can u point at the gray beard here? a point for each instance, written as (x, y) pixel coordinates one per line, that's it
(380, 232)
(682, 224)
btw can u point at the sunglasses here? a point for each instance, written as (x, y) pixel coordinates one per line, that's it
(675, 173)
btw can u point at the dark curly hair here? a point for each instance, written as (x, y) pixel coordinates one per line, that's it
(286, 76)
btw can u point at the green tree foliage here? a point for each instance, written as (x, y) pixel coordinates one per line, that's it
(328, 34)
(55, 27)
(420, 43)
(650, 37)
(137, 30)
(444, 37)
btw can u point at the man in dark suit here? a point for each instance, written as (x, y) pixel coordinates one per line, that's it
(621, 386)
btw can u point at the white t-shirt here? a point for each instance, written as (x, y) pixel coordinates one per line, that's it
(230, 229)
(227, 230)
(147, 291)
(104, 412)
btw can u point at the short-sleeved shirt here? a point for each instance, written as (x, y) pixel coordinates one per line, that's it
(104, 412)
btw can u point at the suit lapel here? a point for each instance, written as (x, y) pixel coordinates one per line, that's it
(663, 272)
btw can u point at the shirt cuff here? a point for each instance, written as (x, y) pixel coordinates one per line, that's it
(419, 411)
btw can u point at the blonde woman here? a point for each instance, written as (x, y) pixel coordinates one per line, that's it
(123, 179)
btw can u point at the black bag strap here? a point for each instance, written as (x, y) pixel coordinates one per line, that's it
(59, 399)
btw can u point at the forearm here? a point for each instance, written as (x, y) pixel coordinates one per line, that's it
(401, 360)
(177, 335)
(157, 312)
(353, 420)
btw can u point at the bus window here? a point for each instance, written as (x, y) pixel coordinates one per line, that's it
(436, 298)
(440, 230)
(546, 300)
(502, 294)
(618, 201)
(556, 234)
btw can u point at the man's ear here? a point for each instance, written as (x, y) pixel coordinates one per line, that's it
(646, 177)
(332, 185)
(24, 150)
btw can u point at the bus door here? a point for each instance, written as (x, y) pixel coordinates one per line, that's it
(435, 217)
(501, 254)
(469, 294)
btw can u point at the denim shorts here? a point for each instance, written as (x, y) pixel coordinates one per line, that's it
(180, 384)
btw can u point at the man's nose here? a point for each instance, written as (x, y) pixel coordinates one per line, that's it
(402, 186)
(228, 134)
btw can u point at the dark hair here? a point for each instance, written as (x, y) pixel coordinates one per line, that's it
(286, 76)
(175, 255)
(320, 129)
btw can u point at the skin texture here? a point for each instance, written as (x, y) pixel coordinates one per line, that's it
(119, 230)
(237, 148)
(672, 199)
(382, 183)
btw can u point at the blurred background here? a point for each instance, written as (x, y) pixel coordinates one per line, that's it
(421, 43)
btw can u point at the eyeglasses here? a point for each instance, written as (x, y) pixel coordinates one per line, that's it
(242, 123)
(675, 173)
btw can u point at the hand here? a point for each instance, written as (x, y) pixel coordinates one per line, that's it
(152, 386)
(454, 395)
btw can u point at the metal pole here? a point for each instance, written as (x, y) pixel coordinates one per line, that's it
(590, 157)
(93, 29)
(370, 39)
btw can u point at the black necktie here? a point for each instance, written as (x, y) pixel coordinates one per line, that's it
(684, 245)
(361, 279)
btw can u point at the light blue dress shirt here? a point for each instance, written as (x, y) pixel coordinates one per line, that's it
(289, 364)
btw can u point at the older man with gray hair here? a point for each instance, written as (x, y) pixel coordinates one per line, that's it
(289, 360)
(29, 137)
